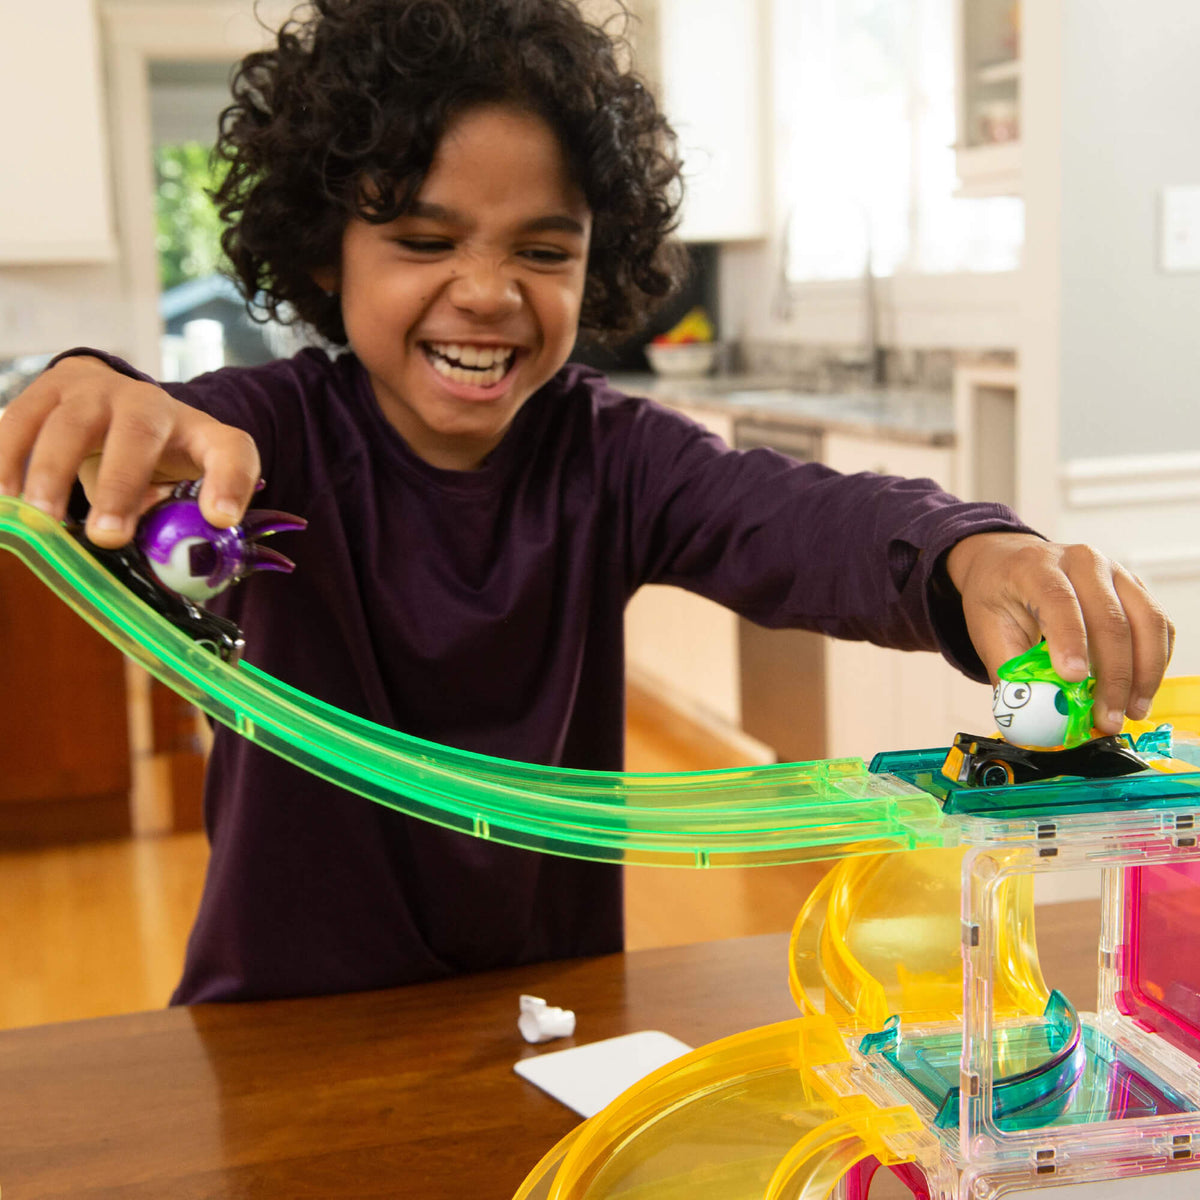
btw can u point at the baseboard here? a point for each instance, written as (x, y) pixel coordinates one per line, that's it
(64, 821)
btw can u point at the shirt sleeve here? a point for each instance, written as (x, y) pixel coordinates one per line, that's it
(791, 544)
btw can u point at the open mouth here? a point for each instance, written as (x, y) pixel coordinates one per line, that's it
(481, 366)
(1003, 719)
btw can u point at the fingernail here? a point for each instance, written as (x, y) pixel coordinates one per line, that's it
(40, 502)
(1116, 718)
(1139, 709)
(1076, 666)
(107, 523)
(226, 508)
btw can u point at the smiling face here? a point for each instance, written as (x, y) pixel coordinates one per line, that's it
(1032, 714)
(462, 308)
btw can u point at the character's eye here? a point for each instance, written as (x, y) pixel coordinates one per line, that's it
(1016, 695)
(202, 559)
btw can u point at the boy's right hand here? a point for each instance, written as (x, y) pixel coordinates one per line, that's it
(128, 442)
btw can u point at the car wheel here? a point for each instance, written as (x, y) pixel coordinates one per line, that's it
(993, 772)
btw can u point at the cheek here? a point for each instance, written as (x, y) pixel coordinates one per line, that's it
(560, 311)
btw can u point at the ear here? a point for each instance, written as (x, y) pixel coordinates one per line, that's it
(326, 278)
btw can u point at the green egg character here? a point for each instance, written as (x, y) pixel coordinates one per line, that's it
(1035, 707)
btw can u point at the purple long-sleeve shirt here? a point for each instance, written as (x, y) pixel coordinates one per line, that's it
(484, 610)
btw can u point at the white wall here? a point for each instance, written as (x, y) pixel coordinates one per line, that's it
(1111, 342)
(1130, 333)
(56, 307)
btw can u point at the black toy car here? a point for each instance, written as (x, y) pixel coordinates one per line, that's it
(218, 634)
(992, 762)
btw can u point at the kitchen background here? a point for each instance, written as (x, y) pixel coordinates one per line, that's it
(955, 238)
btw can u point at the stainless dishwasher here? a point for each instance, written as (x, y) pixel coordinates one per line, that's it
(782, 671)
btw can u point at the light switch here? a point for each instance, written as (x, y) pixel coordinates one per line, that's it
(1180, 230)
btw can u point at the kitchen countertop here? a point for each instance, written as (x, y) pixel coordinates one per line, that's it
(896, 414)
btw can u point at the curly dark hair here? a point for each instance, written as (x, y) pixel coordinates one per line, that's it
(341, 118)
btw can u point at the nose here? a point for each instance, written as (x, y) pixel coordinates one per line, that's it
(485, 288)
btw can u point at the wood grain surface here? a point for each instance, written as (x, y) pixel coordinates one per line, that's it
(408, 1092)
(385, 1094)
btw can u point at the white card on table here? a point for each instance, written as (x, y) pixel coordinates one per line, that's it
(586, 1078)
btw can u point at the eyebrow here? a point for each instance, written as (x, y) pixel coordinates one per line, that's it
(551, 223)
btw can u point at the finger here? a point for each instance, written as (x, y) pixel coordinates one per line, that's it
(230, 466)
(89, 471)
(1053, 602)
(999, 633)
(1153, 638)
(134, 443)
(22, 422)
(1109, 636)
(66, 435)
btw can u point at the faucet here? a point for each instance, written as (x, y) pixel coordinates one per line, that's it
(874, 357)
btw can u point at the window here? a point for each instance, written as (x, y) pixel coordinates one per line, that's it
(865, 113)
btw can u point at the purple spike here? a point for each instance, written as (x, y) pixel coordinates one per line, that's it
(259, 522)
(263, 558)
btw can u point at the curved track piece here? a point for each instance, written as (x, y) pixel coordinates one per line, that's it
(741, 816)
(1038, 1065)
(744, 1116)
(1041, 1091)
(858, 956)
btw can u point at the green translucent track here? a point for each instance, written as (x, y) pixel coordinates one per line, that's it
(775, 814)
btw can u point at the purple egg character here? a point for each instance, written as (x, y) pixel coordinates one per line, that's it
(198, 560)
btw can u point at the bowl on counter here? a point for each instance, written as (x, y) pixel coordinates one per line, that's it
(682, 360)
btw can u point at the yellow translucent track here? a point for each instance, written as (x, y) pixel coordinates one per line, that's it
(760, 1114)
(858, 956)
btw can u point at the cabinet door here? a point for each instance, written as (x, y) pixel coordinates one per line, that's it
(54, 186)
(683, 646)
(64, 740)
(879, 699)
(711, 85)
(988, 84)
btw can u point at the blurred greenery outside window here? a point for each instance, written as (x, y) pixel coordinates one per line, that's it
(188, 232)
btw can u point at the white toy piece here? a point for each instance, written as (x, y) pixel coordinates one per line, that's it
(541, 1022)
(1032, 714)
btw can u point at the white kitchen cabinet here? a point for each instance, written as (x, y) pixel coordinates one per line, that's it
(682, 646)
(54, 187)
(879, 699)
(988, 147)
(704, 59)
(986, 411)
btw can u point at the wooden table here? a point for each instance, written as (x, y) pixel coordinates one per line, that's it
(404, 1093)
(407, 1093)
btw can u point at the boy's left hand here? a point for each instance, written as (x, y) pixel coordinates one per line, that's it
(1096, 617)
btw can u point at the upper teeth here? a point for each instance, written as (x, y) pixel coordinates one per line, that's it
(480, 357)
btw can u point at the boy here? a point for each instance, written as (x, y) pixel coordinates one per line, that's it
(452, 188)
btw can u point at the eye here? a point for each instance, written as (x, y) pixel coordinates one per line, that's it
(545, 255)
(425, 245)
(1015, 695)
